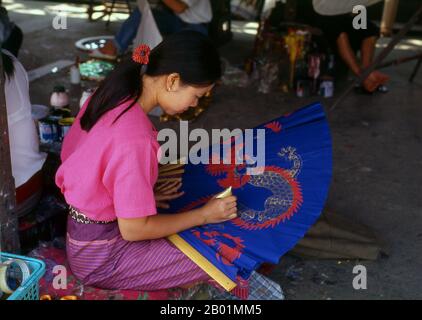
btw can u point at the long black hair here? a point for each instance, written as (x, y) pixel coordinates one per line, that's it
(8, 66)
(190, 54)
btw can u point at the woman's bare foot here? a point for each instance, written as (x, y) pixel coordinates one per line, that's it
(374, 80)
(382, 78)
(370, 84)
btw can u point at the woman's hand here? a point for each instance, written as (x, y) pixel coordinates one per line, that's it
(166, 191)
(219, 210)
(158, 226)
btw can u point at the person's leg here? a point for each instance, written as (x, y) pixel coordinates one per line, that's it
(367, 53)
(14, 42)
(128, 30)
(198, 27)
(365, 40)
(367, 50)
(347, 54)
(124, 37)
(167, 21)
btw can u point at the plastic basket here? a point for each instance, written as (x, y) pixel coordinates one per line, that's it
(29, 290)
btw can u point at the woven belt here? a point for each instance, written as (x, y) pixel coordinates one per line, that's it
(81, 218)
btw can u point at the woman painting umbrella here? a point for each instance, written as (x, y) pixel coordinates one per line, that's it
(109, 169)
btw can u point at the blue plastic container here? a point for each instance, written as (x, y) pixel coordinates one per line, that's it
(29, 290)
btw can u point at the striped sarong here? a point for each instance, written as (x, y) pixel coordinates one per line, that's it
(98, 256)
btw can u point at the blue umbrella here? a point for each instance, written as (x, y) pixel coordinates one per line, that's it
(275, 208)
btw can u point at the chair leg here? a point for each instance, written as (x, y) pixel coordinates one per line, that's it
(110, 12)
(415, 70)
(90, 10)
(128, 7)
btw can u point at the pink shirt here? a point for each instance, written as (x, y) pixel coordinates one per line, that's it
(111, 170)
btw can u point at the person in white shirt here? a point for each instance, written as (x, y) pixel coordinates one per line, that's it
(26, 159)
(170, 16)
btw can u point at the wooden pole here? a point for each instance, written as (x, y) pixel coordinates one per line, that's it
(9, 236)
(389, 16)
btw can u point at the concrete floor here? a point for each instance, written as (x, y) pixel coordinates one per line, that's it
(377, 152)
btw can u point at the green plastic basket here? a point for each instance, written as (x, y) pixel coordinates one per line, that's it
(29, 290)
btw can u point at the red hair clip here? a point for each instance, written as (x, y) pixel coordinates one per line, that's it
(141, 54)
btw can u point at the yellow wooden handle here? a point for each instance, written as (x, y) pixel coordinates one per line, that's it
(202, 262)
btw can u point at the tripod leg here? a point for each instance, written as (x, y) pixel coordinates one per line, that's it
(415, 70)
